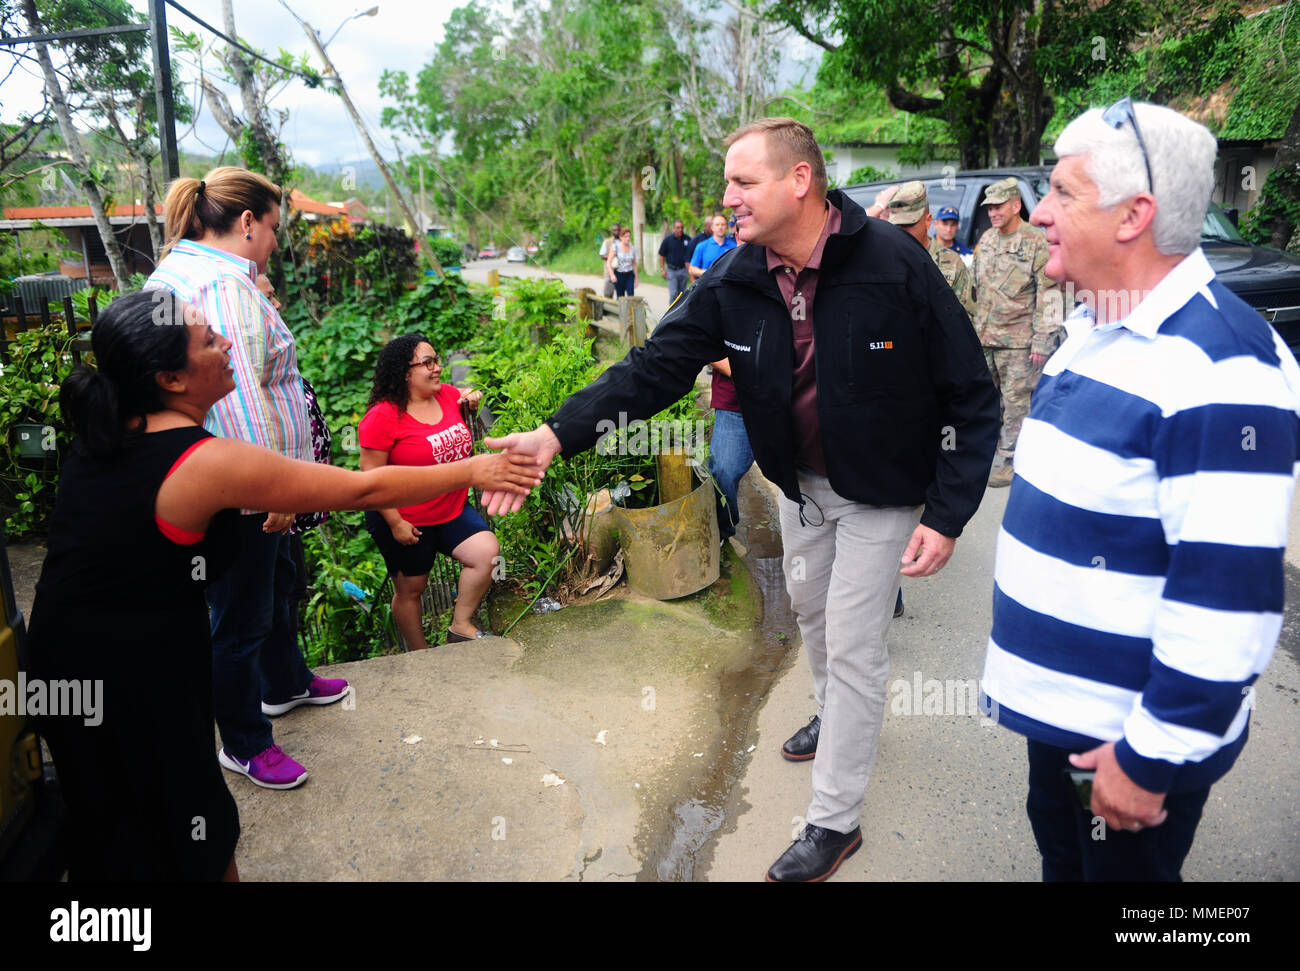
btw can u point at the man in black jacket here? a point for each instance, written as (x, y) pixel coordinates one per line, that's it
(868, 403)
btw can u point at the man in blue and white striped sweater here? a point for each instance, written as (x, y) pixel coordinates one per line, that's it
(1139, 578)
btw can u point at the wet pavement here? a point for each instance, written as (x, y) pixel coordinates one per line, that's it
(946, 797)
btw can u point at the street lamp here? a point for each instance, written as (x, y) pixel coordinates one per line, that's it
(372, 12)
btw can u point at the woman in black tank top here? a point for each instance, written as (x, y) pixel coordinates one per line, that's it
(143, 521)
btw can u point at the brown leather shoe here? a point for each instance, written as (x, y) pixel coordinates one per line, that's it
(1003, 476)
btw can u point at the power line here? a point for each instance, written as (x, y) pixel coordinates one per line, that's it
(312, 80)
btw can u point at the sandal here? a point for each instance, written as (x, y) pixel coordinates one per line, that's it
(454, 638)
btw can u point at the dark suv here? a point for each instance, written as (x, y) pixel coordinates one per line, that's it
(1266, 278)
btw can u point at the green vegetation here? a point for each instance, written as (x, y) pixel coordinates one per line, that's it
(528, 355)
(554, 112)
(1249, 64)
(579, 257)
(527, 365)
(1235, 74)
(447, 312)
(39, 360)
(338, 357)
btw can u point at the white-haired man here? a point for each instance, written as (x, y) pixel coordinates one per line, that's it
(1139, 576)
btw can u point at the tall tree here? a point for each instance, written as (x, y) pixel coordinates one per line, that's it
(985, 67)
(553, 113)
(255, 132)
(114, 73)
(76, 151)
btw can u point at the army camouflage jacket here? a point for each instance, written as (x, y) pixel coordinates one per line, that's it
(1017, 305)
(953, 268)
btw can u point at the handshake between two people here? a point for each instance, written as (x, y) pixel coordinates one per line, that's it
(928, 551)
(526, 451)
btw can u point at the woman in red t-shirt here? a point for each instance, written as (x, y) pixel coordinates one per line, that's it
(414, 419)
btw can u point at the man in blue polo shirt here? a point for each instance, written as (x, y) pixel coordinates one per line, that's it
(707, 252)
(730, 455)
(1139, 578)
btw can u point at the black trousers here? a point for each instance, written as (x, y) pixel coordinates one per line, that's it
(1075, 847)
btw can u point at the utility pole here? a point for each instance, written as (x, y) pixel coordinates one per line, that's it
(162, 86)
(423, 210)
(638, 221)
(333, 75)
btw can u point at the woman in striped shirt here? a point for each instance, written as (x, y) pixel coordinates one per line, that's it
(221, 230)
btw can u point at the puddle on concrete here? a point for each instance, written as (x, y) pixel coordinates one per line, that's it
(697, 816)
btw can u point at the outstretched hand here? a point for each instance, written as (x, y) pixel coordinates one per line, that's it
(539, 447)
(510, 474)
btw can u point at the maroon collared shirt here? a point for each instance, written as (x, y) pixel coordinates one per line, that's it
(799, 289)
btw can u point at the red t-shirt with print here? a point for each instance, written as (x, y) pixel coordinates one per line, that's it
(409, 441)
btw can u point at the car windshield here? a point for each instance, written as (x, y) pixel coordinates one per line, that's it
(1218, 229)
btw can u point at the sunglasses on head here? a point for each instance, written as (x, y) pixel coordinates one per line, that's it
(1120, 112)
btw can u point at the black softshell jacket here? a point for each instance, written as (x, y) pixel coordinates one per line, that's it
(909, 414)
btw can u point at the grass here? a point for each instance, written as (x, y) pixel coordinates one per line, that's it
(583, 258)
(578, 258)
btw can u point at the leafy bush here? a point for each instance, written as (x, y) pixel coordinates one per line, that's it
(39, 360)
(447, 250)
(525, 384)
(336, 627)
(445, 311)
(869, 173)
(338, 358)
(336, 262)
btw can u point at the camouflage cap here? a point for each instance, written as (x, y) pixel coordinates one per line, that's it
(908, 204)
(1000, 192)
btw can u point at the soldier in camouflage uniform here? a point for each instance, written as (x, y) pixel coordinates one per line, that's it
(953, 268)
(909, 209)
(1018, 314)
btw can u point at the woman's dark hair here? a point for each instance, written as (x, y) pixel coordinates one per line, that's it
(137, 336)
(391, 370)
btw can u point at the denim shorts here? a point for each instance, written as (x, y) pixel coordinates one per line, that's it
(417, 560)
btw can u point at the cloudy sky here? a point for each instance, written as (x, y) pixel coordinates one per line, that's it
(401, 36)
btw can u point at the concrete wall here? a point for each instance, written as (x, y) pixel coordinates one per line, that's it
(845, 159)
(1239, 174)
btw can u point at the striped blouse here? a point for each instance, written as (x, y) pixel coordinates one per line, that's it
(267, 407)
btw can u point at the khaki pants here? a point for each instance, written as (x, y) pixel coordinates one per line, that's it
(842, 577)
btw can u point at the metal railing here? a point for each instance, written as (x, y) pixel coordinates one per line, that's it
(16, 318)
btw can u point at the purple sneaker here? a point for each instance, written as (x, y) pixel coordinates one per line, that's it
(321, 691)
(271, 769)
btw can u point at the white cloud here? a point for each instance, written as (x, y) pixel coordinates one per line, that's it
(402, 36)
